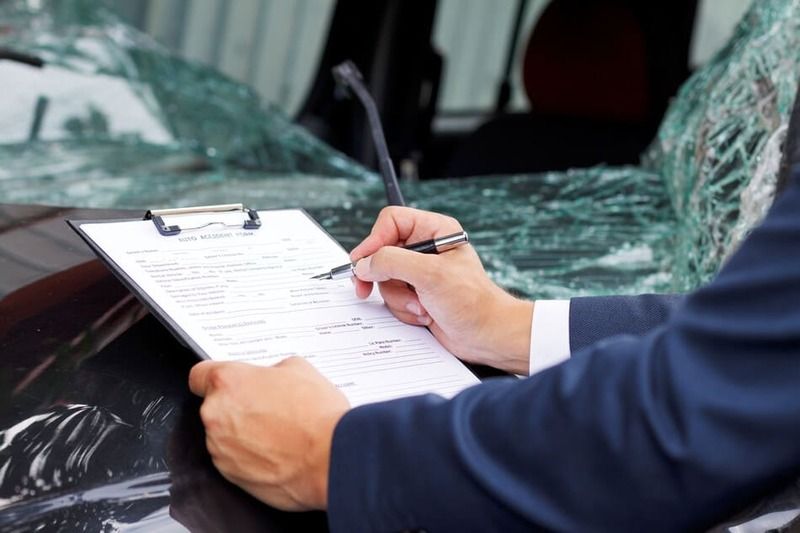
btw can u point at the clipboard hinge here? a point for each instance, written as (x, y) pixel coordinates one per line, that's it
(252, 222)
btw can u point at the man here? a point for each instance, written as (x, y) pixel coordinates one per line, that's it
(667, 415)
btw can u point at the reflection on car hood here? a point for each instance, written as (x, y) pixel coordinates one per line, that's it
(105, 82)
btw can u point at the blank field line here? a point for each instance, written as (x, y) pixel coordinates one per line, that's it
(368, 361)
(343, 352)
(412, 388)
(431, 382)
(374, 370)
(343, 348)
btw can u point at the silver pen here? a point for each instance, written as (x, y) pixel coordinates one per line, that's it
(431, 246)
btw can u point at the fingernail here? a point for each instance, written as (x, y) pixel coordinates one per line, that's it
(425, 320)
(414, 308)
(362, 267)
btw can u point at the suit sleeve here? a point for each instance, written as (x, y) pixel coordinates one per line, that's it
(668, 431)
(592, 319)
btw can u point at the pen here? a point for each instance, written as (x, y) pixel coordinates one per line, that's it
(431, 246)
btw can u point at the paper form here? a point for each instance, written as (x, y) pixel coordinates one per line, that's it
(245, 295)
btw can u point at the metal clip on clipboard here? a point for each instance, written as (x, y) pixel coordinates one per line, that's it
(251, 220)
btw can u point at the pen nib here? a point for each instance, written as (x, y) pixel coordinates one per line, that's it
(322, 276)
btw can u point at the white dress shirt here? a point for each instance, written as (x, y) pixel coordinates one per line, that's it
(549, 334)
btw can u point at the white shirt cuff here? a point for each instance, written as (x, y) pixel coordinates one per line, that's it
(549, 334)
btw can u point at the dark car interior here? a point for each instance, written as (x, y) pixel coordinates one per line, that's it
(598, 74)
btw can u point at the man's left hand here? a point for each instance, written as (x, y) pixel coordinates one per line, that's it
(269, 429)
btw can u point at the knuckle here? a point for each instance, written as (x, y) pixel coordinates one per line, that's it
(388, 212)
(406, 317)
(394, 304)
(294, 360)
(219, 378)
(208, 415)
(452, 221)
(395, 293)
(218, 461)
(388, 292)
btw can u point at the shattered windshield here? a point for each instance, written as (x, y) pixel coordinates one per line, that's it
(186, 135)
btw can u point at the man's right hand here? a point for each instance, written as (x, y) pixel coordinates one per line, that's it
(450, 293)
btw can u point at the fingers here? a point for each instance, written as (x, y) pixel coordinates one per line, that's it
(398, 225)
(391, 262)
(269, 429)
(295, 362)
(404, 303)
(207, 376)
(392, 226)
(370, 245)
(363, 288)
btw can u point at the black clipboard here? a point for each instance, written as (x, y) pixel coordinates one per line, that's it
(250, 220)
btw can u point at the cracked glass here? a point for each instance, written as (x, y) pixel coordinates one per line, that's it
(189, 136)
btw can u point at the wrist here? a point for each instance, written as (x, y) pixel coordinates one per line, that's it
(319, 496)
(511, 334)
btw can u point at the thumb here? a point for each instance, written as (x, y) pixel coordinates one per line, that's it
(198, 377)
(392, 262)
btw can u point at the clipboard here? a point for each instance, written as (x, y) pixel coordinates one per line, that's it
(251, 220)
(167, 228)
(242, 289)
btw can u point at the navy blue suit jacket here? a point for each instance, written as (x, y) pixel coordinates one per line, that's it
(672, 416)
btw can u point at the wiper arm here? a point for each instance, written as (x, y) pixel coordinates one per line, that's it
(348, 76)
(21, 57)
